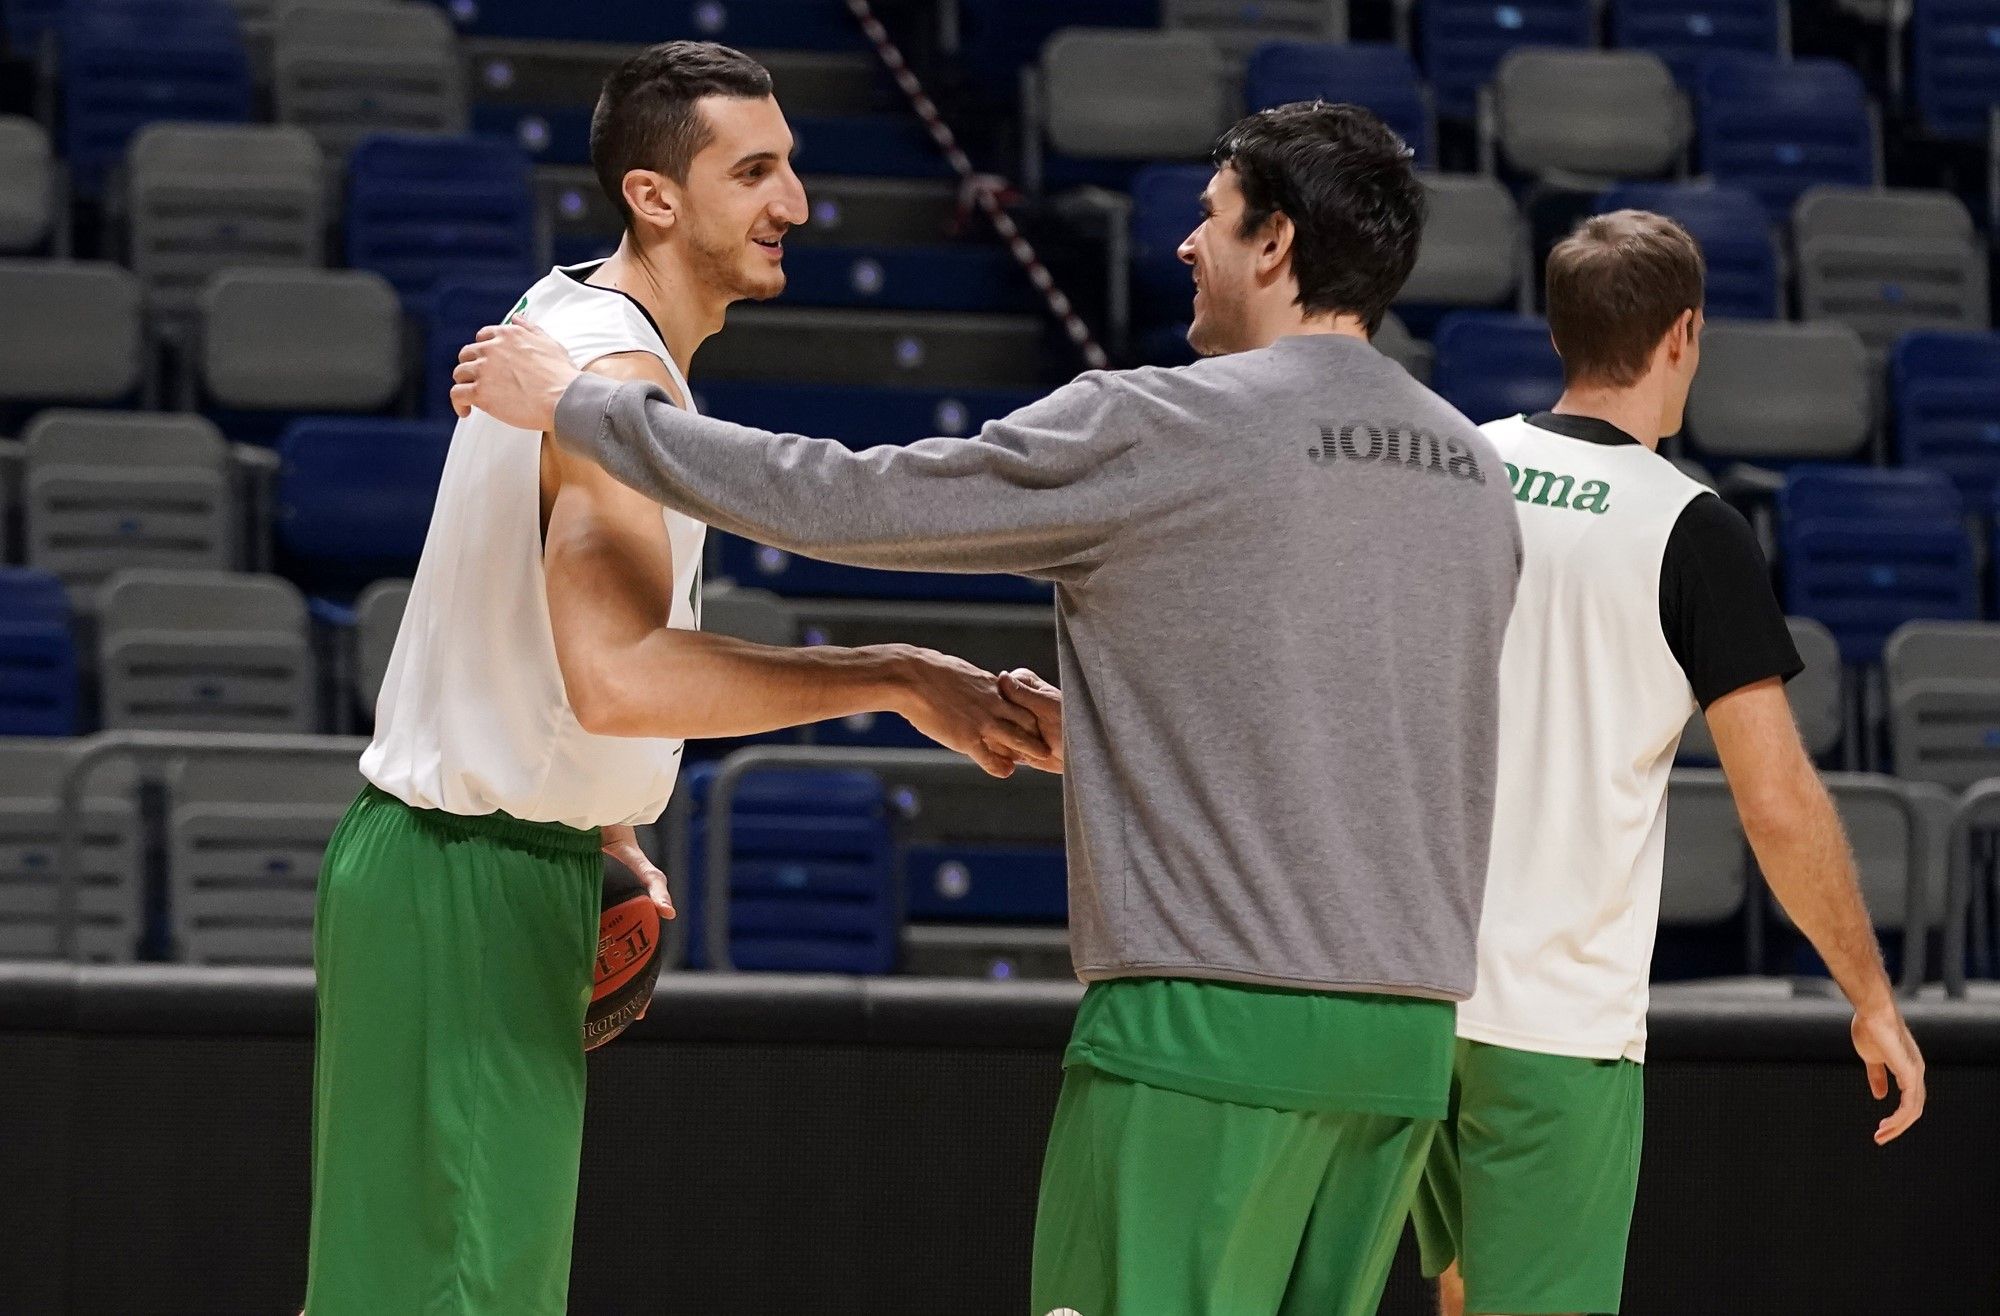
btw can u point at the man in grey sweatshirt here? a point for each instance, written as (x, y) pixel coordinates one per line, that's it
(1282, 579)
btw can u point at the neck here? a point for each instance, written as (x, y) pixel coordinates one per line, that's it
(1289, 321)
(659, 280)
(1634, 410)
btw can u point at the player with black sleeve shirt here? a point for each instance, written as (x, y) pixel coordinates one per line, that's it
(1642, 596)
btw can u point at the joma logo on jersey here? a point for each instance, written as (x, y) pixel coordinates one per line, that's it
(1400, 445)
(1553, 489)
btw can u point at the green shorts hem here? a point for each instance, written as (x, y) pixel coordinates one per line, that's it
(1531, 1181)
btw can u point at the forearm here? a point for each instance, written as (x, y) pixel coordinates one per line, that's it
(1804, 855)
(1040, 506)
(691, 685)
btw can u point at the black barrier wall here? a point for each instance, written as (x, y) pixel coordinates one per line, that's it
(763, 1145)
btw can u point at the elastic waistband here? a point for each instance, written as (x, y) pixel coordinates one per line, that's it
(546, 836)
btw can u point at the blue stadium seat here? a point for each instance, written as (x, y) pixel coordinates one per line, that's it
(874, 145)
(858, 417)
(1491, 364)
(1463, 41)
(25, 23)
(354, 499)
(38, 695)
(870, 731)
(1735, 236)
(762, 567)
(986, 883)
(929, 277)
(1166, 207)
(745, 24)
(1946, 402)
(1865, 550)
(455, 311)
(997, 38)
(127, 63)
(812, 878)
(1955, 66)
(425, 208)
(1775, 128)
(1684, 32)
(1378, 75)
(550, 134)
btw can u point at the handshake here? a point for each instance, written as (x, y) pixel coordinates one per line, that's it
(998, 721)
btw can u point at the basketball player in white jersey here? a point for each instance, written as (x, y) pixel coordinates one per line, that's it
(548, 669)
(1642, 597)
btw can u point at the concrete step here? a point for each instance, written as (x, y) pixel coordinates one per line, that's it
(914, 348)
(571, 73)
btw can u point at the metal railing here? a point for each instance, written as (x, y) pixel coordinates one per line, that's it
(152, 747)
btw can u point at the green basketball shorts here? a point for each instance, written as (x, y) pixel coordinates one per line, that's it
(454, 962)
(1162, 1203)
(1531, 1180)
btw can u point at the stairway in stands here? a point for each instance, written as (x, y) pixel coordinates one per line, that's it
(892, 325)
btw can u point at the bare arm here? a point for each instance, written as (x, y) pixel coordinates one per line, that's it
(1041, 492)
(1802, 849)
(610, 568)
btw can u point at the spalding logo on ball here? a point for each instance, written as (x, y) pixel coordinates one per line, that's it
(628, 958)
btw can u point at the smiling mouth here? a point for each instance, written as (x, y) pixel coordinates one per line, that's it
(776, 246)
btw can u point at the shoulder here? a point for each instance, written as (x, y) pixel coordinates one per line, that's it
(637, 365)
(1712, 540)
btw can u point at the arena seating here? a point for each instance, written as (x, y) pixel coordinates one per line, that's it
(240, 245)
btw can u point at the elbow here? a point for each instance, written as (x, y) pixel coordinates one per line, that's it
(597, 704)
(1773, 812)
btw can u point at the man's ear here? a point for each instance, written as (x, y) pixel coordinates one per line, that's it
(1274, 243)
(652, 197)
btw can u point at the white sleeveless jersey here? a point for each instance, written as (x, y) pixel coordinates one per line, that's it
(1592, 704)
(473, 716)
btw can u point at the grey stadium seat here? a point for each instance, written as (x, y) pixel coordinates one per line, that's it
(1780, 391)
(1127, 94)
(1887, 261)
(1395, 341)
(1706, 871)
(73, 332)
(111, 899)
(245, 836)
(1238, 28)
(378, 615)
(206, 197)
(877, 348)
(1897, 862)
(1471, 253)
(1816, 694)
(29, 200)
(107, 490)
(1589, 115)
(340, 78)
(301, 340)
(1708, 861)
(1944, 701)
(756, 615)
(205, 651)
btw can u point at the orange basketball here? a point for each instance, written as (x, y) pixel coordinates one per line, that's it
(628, 959)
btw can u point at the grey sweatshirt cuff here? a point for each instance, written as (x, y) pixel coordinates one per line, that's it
(583, 415)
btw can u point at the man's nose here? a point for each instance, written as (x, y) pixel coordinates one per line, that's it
(791, 204)
(1186, 250)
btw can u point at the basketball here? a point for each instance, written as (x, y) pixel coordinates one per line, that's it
(628, 959)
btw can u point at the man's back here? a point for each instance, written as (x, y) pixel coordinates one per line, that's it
(1281, 678)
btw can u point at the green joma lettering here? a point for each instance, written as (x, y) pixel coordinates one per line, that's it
(1554, 489)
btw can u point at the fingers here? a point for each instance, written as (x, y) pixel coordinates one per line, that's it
(487, 334)
(995, 764)
(1008, 739)
(461, 400)
(1026, 678)
(1004, 710)
(1878, 1079)
(1908, 1111)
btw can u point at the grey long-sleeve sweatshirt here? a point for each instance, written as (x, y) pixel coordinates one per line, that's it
(1282, 578)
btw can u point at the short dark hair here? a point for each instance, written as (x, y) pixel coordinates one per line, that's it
(646, 116)
(1346, 183)
(1615, 286)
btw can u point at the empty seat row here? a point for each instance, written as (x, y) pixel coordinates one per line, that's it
(120, 64)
